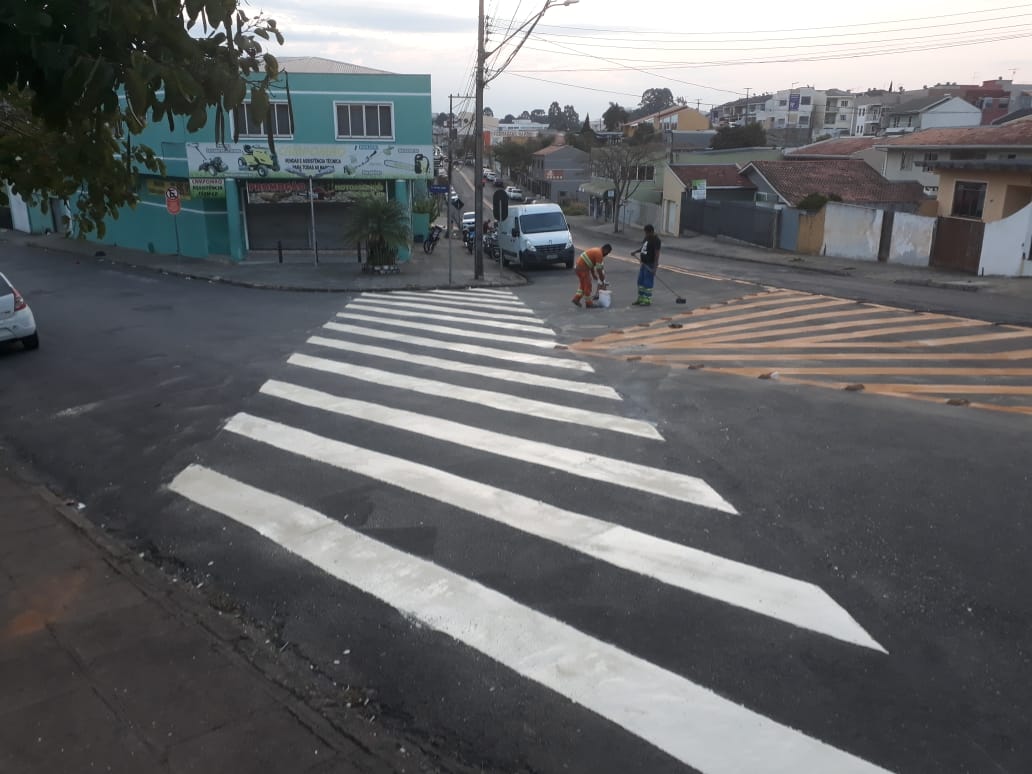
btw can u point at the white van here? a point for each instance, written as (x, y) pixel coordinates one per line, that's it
(535, 233)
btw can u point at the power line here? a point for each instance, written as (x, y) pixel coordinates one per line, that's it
(801, 29)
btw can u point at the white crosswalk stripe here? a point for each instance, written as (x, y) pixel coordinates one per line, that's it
(496, 400)
(503, 374)
(389, 302)
(492, 353)
(393, 311)
(463, 332)
(689, 722)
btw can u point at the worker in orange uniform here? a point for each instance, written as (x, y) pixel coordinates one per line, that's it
(590, 264)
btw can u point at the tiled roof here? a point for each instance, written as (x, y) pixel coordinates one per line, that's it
(1012, 116)
(561, 146)
(1014, 134)
(852, 179)
(317, 64)
(839, 146)
(715, 175)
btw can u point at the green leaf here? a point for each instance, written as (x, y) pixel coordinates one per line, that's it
(259, 103)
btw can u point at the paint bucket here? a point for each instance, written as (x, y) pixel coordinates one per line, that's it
(605, 298)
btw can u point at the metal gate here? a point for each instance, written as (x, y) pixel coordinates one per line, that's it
(957, 244)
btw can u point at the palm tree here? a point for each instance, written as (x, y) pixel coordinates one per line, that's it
(382, 223)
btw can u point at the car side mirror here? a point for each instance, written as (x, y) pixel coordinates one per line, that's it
(515, 232)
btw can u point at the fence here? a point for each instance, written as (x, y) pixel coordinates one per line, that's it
(738, 220)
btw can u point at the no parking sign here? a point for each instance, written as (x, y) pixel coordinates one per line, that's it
(172, 203)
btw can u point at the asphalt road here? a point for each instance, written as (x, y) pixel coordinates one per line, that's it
(697, 572)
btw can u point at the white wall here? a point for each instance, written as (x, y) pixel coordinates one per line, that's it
(851, 231)
(1005, 245)
(19, 211)
(952, 113)
(911, 239)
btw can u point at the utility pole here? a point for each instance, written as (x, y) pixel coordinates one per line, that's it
(478, 120)
(747, 105)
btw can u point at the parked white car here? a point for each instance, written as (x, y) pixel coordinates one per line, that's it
(16, 320)
(468, 219)
(515, 193)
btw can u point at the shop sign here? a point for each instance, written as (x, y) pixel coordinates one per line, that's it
(698, 190)
(296, 191)
(207, 188)
(360, 161)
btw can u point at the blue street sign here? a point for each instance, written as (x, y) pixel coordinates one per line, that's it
(438, 189)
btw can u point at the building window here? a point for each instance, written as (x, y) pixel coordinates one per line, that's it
(804, 120)
(927, 163)
(829, 119)
(782, 102)
(968, 199)
(642, 173)
(364, 120)
(910, 120)
(844, 103)
(804, 100)
(250, 126)
(906, 162)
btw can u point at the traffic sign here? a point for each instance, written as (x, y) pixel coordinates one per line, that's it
(172, 203)
(438, 189)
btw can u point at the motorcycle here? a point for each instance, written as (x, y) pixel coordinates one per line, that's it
(431, 241)
(491, 244)
(469, 236)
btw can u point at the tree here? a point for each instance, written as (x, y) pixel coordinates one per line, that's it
(517, 157)
(748, 136)
(509, 118)
(654, 100)
(813, 202)
(488, 112)
(571, 118)
(625, 165)
(644, 134)
(525, 116)
(441, 119)
(614, 117)
(539, 116)
(556, 120)
(379, 222)
(84, 78)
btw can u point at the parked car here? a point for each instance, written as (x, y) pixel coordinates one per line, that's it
(499, 183)
(515, 193)
(491, 175)
(469, 220)
(16, 320)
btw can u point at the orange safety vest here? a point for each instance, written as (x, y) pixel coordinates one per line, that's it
(590, 259)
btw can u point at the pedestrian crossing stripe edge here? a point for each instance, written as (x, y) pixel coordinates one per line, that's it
(691, 723)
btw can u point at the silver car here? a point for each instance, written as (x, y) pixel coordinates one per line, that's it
(16, 320)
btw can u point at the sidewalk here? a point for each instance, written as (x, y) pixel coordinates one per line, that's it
(336, 273)
(109, 664)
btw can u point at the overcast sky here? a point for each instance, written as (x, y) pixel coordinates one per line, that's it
(601, 51)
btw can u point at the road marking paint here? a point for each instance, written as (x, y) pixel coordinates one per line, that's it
(940, 357)
(880, 371)
(689, 722)
(868, 333)
(499, 401)
(382, 320)
(389, 310)
(455, 346)
(664, 483)
(953, 389)
(503, 374)
(792, 601)
(475, 298)
(493, 292)
(401, 303)
(761, 323)
(516, 307)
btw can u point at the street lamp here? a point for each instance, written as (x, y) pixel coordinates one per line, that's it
(478, 126)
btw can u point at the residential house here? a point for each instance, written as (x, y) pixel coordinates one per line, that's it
(677, 118)
(931, 113)
(352, 131)
(519, 130)
(724, 156)
(558, 171)
(984, 195)
(686, 143)
(741, 111)
(853, 180)
(695, 182)
(643, 197)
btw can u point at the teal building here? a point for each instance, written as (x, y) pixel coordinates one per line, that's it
(341, 131)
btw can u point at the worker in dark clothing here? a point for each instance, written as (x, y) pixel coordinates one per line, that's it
(648, 254)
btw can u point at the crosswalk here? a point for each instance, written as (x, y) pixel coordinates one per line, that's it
(838, 343)
(461, 373)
